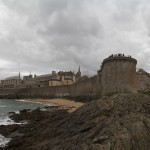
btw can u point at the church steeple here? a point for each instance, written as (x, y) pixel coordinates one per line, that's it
(79, 72)
(79, 69)
(19, 74)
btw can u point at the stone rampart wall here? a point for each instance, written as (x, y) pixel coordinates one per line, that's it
(118, 75)
(86, 88)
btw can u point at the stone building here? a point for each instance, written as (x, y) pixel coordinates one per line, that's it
(28, 82)
(42, 80)
(11, 82)
(0, 84)
(36, 81)
(143, 79)
(55, 82)
(67, 78)
(118, 74)
(53, 79)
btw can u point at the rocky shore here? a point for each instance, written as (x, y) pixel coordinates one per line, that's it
(119, 122)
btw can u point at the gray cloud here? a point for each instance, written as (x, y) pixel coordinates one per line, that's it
(46, 35)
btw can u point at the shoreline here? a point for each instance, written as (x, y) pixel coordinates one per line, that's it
(70, 105)
(119, 121)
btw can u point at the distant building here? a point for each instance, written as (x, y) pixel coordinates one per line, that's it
(55, 82)
(55, 79)
(67, 78)
(64, 78)
(0, 84)
(143, 79)
(46, 80)
(11, 82)
(28, 81)
(42, 80)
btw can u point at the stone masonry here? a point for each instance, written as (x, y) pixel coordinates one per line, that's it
(118, 74)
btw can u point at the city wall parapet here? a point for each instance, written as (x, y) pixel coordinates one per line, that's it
(86, 89)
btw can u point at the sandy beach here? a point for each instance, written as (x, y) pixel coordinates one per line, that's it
(63, 103)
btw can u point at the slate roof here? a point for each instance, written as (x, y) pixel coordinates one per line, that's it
(45, 75)
(13, 78)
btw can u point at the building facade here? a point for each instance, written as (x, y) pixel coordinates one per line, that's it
(11, 82)
(46, 80)
(142, 79)
(28, 82)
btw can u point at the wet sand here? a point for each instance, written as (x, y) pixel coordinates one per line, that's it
(63, 103)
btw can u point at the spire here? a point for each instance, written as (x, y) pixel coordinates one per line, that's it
(79, 72)
(79, 69)
(30, 72)
(19, 70)
(19, 74)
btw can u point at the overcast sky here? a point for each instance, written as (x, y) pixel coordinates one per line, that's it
(46, 35)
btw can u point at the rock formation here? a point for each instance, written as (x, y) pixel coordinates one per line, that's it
(119, 122)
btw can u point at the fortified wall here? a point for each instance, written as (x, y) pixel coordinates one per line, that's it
(86, 89)
(117, 74)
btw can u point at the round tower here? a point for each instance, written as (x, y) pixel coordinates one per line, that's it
(118, 74)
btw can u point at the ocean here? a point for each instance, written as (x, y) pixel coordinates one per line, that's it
(13, 106)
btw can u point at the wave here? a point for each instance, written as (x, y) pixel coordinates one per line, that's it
(51, 104)
(17, 112)
(22, 100)
(3, 106)
(7, 121)
(4, 141)
(28, 101)
(36, 102)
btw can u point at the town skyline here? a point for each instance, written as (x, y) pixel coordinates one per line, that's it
(34, 74)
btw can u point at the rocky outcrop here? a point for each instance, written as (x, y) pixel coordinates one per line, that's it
(119, 122)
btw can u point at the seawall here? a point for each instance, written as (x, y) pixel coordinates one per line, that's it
(86, 89)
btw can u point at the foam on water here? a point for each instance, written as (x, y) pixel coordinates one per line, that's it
(5, 120)
(29, 101)
(52, 104)
(3, 106)
(17, 112)
(13, 106)
(22, 100)
(4, 141)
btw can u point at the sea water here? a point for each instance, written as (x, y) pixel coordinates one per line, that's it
(13, 106)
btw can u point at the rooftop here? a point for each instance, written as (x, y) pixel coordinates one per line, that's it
(119, 55)
(45, 75)
(13, 78)
(69, 73)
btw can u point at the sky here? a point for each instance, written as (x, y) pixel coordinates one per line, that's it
(46, 35)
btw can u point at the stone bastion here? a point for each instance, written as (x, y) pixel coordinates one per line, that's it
(118, 74)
